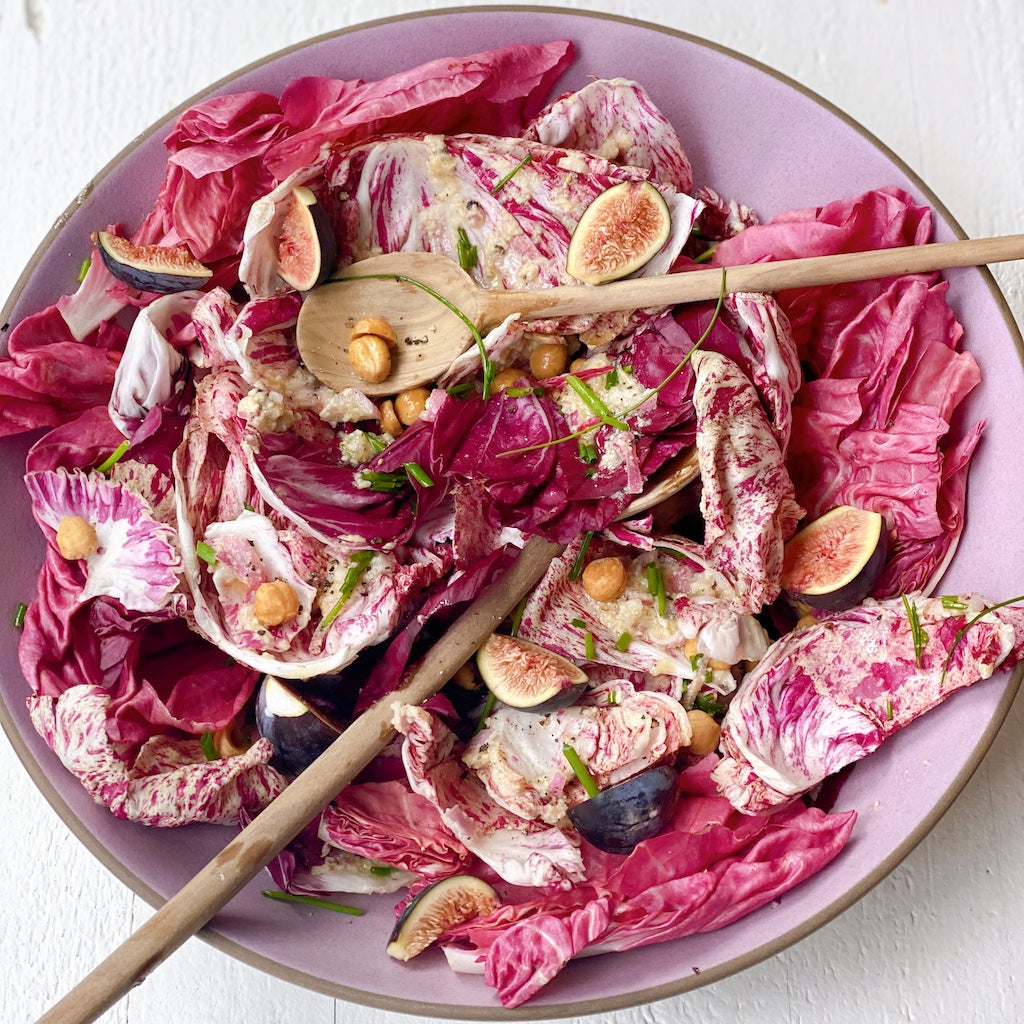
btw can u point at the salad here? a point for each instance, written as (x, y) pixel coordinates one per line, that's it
(240, 559)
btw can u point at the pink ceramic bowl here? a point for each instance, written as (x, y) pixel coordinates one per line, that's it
(753, 135)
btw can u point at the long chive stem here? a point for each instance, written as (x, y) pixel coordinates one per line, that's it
(312, 901)
(113, 458)
(357, 565)
(580, 770)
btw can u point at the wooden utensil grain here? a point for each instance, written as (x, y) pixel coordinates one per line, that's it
(406, 288)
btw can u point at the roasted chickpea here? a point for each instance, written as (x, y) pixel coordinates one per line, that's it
(389, 420)
(276, 603)
(576, 365)
(76, 538)
(370, 358)
(376, 326)
(510, 378)
(409, 405)
(548, 360)
(465, 677)
(690, 648)
(230, 740)
(604, 579)
(705, 732)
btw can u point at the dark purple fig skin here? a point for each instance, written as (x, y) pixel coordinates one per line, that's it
(625, 814)
(140, 267)
(298, 732)
(318, 233)
(850, 594)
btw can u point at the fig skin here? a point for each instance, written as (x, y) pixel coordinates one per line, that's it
(151, 268)
(437, 909)
(621, 230)
(299, 733)
(623, 815)
(528, 677)
(307, 250)
(834, 562)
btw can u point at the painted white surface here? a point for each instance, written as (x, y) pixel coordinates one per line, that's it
(941, 82)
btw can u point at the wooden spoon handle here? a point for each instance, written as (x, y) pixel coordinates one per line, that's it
(241, 860)
(697, 285)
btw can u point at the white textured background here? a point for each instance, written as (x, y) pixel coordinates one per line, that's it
(941, 83)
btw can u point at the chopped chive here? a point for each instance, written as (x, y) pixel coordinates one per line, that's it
(381, 870)
(578, 623)
(954, 604)
(888, 710)
(385, 482)
(590, 399)
(694, 661)
(376, 442)
(612, 377)
(113, 458)
(247, 507)
(83, 268)
(709, 676)
(461, 390)
(519, 392)
(20, 610)
(589, 648)
(209, 747)
(920, 637)
(613, 698)
(357, 566)
(624, 642)
(502, 182)
(580, 770)
(656, 586)
(577, 566)
(419, 474)
(486, 712)
(588, 451)
(311, 901)
(706, 703)
(706, 255)
(517, 617)
(206, 553)
(466, 250)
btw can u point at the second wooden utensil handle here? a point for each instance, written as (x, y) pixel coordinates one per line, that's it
(241, 860)
(772, 276)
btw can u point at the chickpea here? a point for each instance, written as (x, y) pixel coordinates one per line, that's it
(690, 649)
(76, 538)
(705, 732)
(465, 677)
(409, 405)
(376, 326)
(230, 740)
(604, 579)
(510, 378)
(389, 420)
(548, 360)
(576, 365)
(370, 358)
(275, 603)
(805, 620)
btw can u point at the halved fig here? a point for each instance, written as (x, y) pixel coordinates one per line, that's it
(299, 732)
(620, 231)
(619, 817)
(151, 268)
(834, 561)
(306, 247)
(527, 676)
(437, 909)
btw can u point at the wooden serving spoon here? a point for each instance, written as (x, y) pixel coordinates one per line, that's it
(428, 300)
(310, 792)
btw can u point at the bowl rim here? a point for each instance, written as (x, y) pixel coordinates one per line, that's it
(539, 1011)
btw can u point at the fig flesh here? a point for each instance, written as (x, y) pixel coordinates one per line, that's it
(528, 677)
(437, 909)
(621, 230)
(619, 817)
(306, 247)
(834, 561)
(151, 268)
(298, 731)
